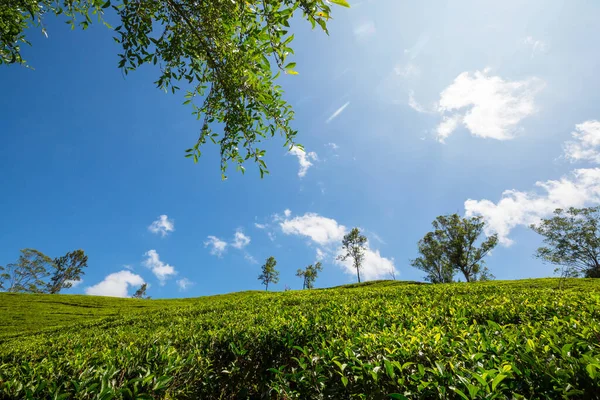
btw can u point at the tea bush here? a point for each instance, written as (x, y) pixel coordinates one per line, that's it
(494, 340)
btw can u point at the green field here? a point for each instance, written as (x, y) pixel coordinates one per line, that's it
(519, 339)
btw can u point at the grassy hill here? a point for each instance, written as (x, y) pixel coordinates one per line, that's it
(520, 339)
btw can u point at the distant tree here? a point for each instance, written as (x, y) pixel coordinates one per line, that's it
(452, 247)
(433, 260)
(28, 273)
(141, 292)
(354, 245)
(226, 54)
(572, 241)
(309, 275)
(269, 273)
(67, 269)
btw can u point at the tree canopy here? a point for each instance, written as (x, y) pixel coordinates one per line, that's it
(67, 269)
(35, 272)
(228, 54)
(28, 274)
(572, 240)
(309, 274)
(354, 246)
(452, 247)
(269, 273)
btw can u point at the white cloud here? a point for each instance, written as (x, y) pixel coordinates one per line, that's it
(115, 285)
(414, 104)
(320, 255)
(374, 266)
(536, 46)
(217, 246)
(163, 225)
(161, 270)
(240, 240)
(304, 159)
(516, 208)
(271, 236)
(488, 106)
(129, 267)
(447, 126)
(320, 229)
(184, 283)
(586, 145)
(327, 233)
(74, 283)
(337, 112)
(287, 212)
(333, 146)
(260, 226)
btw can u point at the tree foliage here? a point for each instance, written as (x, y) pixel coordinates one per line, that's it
(35, 272)
(433, 260)
(269, 273)
(309, 275)
(572, 240)
(28, 274)
(67, 269)
(141, 292)
(451, 247)
(354, 246)
(222, 50)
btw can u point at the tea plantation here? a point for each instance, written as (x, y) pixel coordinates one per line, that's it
(382, 340)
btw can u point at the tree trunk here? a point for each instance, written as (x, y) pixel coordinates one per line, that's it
(358, 274)
(267, 286)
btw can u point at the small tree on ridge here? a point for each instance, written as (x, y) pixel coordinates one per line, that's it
(269, 273)
(354, 246)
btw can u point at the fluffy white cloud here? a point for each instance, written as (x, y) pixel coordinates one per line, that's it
(184, 283)
(260, 226)
(328, 234)
(287, 212)
(160, 269)
(240, 240)
(320, 229)
(333, 146)
(163, 225)
(374, 266)
(217, 246)
(337, 112)
(447, 126)
(304, 159)
(115, 285)
(488, 106)
(586, 145)
(516, 208)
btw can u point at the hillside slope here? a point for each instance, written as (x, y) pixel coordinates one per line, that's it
(522, 339)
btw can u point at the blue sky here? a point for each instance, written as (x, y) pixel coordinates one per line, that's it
(407, 111)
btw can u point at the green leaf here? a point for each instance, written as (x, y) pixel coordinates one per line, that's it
(290, 65)
(291, 72)
(342, 3)
(499, 378)
(397, 396)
